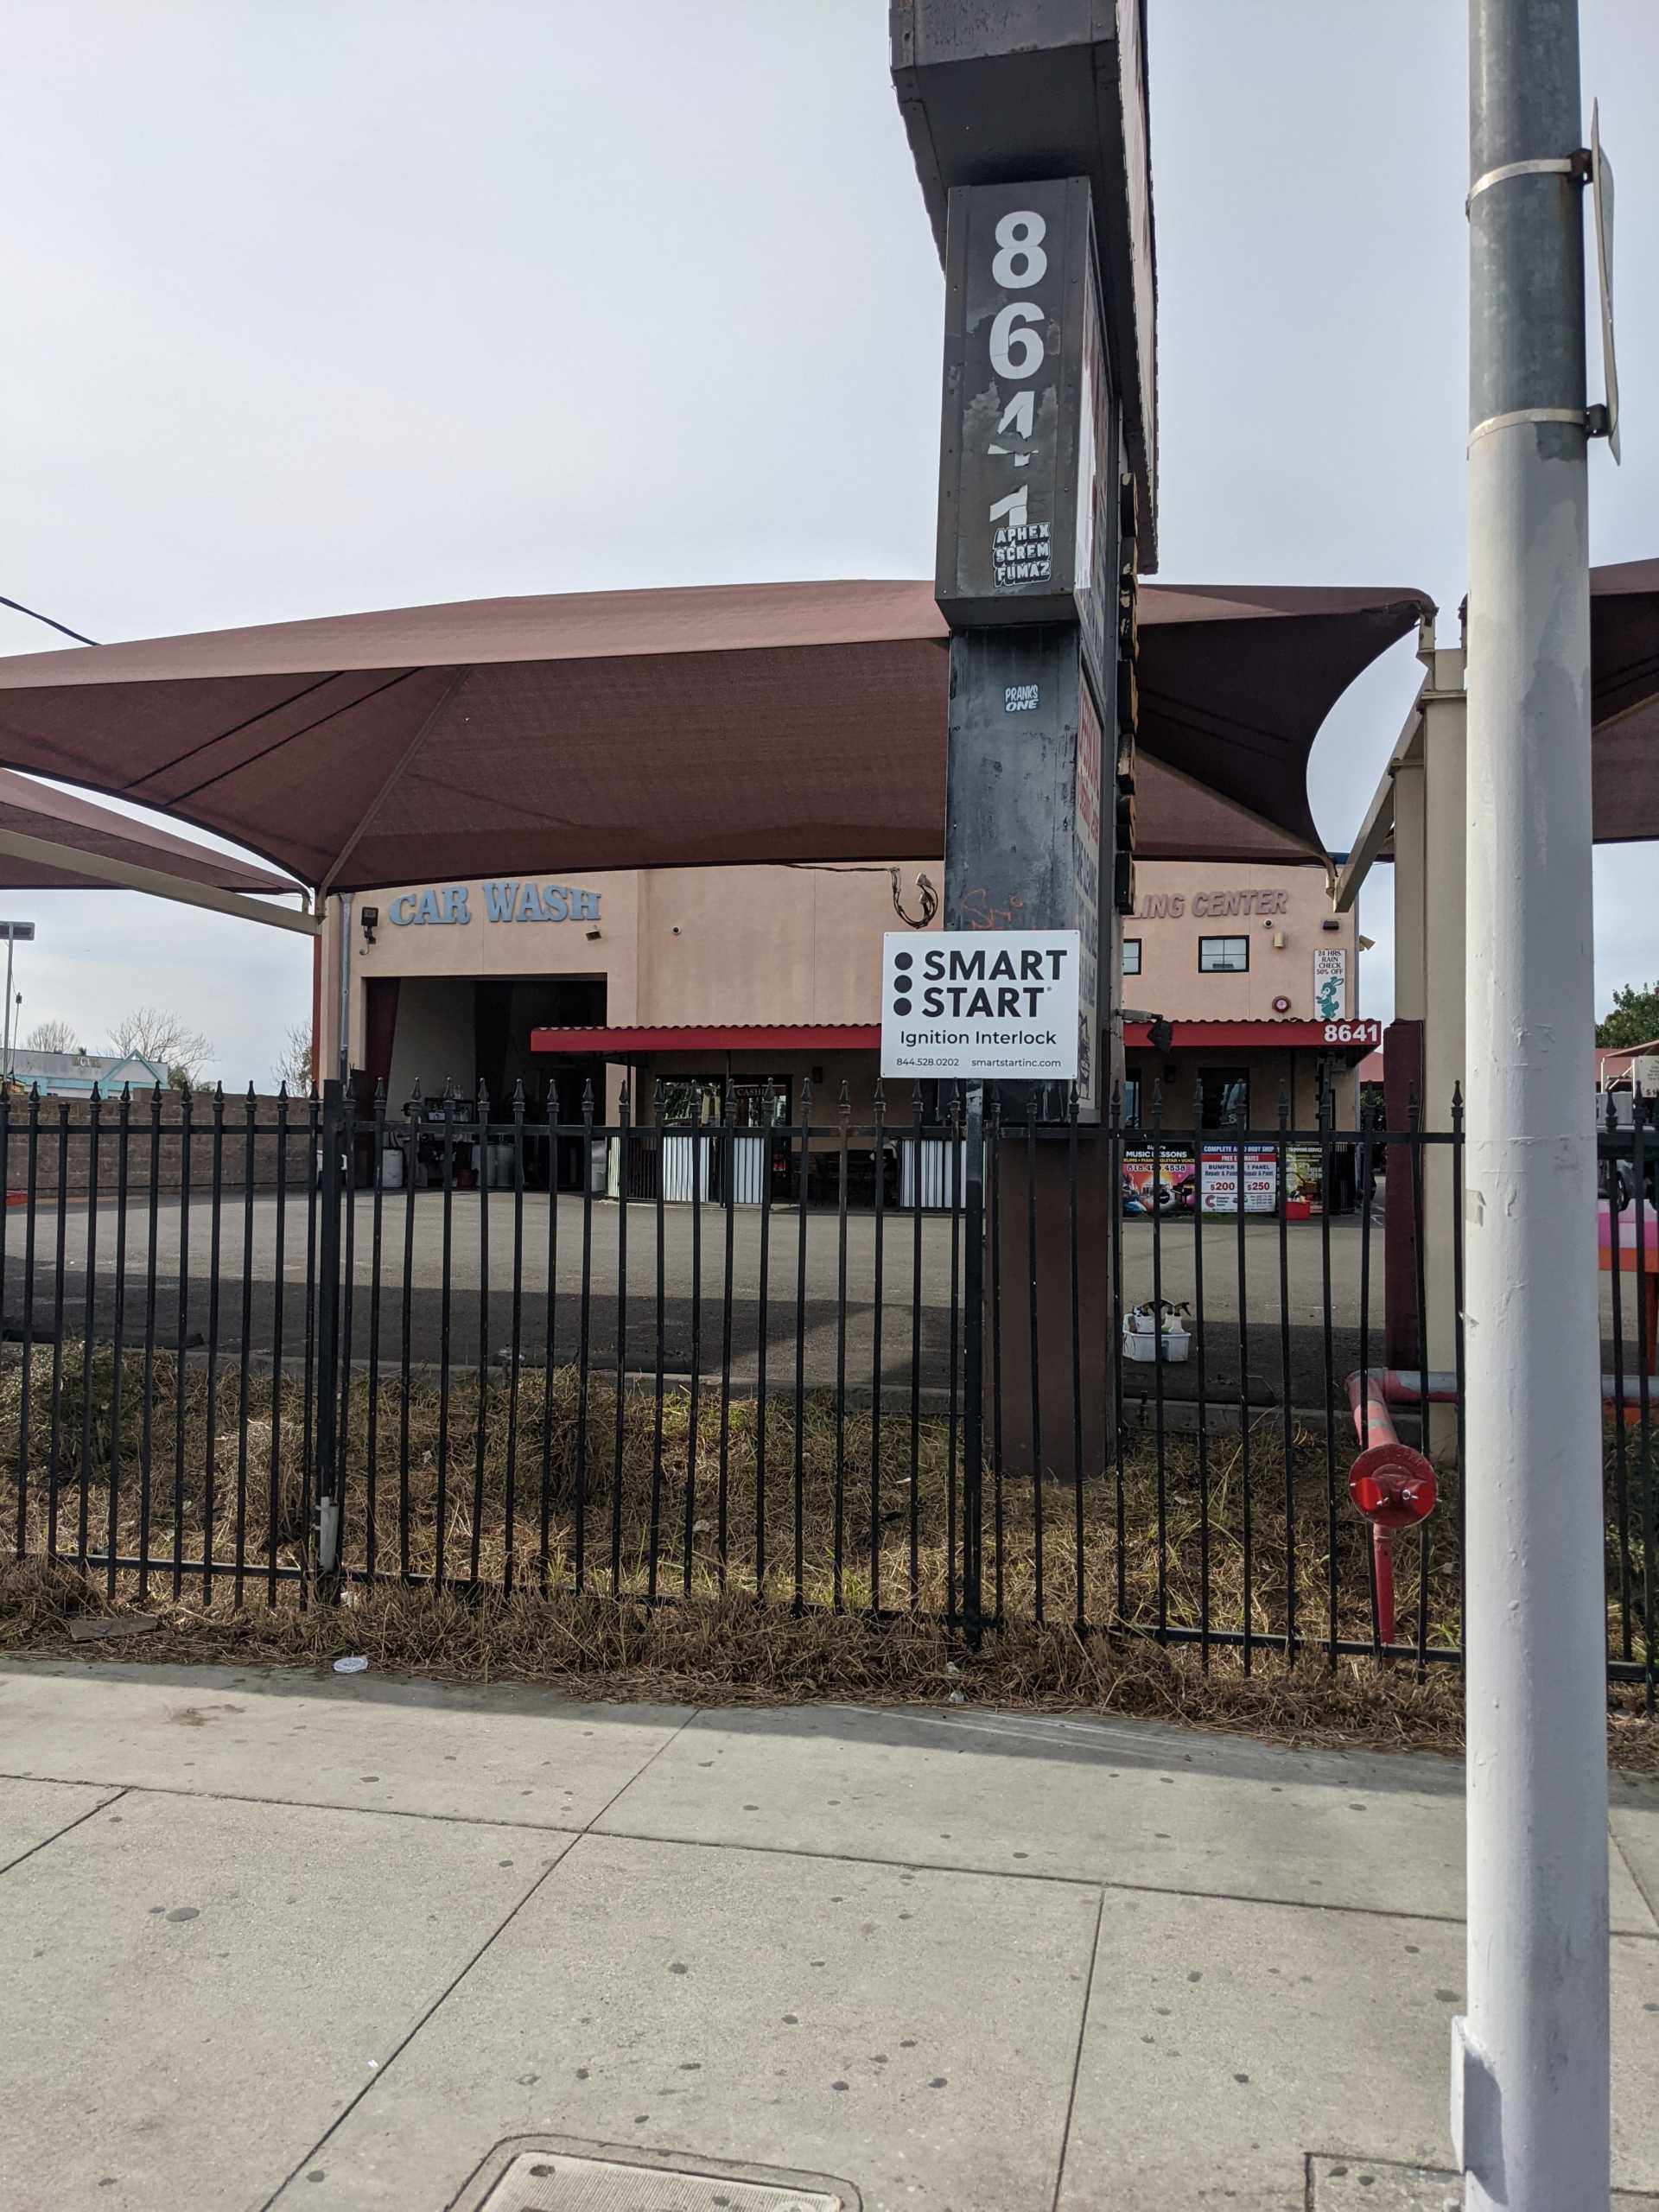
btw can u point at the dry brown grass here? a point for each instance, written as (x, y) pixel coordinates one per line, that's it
(713, 1642)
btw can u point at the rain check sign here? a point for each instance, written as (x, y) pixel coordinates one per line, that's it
(988, 1005)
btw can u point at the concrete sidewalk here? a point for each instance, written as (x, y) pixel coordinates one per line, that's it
(340, 1943)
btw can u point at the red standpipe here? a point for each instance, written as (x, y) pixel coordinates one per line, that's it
(1392, 1486)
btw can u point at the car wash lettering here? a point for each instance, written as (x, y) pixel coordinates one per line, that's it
(446, 905)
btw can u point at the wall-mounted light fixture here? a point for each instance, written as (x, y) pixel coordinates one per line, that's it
(369, 920)
(592, 935)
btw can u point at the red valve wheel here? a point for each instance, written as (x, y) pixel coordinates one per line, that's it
(1392, 1486)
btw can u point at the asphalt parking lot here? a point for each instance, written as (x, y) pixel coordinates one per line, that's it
(677, 1295)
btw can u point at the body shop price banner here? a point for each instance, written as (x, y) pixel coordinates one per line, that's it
(1214, 1189)
(983, 1004)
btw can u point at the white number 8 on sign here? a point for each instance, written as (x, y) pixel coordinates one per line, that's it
(1020, 237)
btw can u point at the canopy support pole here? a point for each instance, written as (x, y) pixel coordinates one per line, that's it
(344, 898)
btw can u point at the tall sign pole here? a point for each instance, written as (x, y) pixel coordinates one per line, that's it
(1530, 2059)
(1027, 577)
(1028, 119)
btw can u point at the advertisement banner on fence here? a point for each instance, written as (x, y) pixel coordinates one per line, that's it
(1174, 1180)
(1216, 1191)
(1220, 1190)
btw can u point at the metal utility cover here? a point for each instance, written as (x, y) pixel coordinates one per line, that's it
(547, 2178)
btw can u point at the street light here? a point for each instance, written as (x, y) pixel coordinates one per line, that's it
(14, 934)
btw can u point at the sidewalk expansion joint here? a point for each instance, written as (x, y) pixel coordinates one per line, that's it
(1076, 2056)
(116, 1792)
(316, 1804)
(450, 1988)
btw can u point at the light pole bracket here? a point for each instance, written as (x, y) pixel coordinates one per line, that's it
(1574, 165)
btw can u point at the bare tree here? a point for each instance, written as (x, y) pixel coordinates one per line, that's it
(294, 1064)
(54, 1037)
(166, 1040)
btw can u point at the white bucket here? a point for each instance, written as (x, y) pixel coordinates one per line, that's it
(1143, 1344)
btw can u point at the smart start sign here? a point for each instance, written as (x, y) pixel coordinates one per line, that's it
(988, 1005)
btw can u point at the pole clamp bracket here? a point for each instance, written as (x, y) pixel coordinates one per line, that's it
(1593, 421)
(1575, 165)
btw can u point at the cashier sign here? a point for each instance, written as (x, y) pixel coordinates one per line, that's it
(986, 1005)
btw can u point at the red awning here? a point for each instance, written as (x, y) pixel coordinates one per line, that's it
(712, 1037)
(1259, 1036)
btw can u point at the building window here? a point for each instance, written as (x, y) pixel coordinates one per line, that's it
(1223, 1098)
(1131, 956)
(1224, 956)
(702, 1098)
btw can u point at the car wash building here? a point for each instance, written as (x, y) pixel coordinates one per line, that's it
(679, 982)
(767, 979)
(560, 839)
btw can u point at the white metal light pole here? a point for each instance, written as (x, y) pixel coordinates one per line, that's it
(1530, 2061)
(14, 934)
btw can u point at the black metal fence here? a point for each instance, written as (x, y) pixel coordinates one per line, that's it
(944, 1360)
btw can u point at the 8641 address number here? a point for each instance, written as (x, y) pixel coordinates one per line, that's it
(1353, 1033)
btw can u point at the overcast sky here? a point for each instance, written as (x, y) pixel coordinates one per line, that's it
(338, 305)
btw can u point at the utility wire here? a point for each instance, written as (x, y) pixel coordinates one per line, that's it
(17, 606)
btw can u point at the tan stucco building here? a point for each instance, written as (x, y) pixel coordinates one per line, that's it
(1258, 979)
(696, 976)
(749, 973)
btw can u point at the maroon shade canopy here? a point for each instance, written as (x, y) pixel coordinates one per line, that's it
(1624, 700)
(658, 728)
(30, 810)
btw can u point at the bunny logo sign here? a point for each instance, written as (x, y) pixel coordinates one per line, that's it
(984, 1004)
